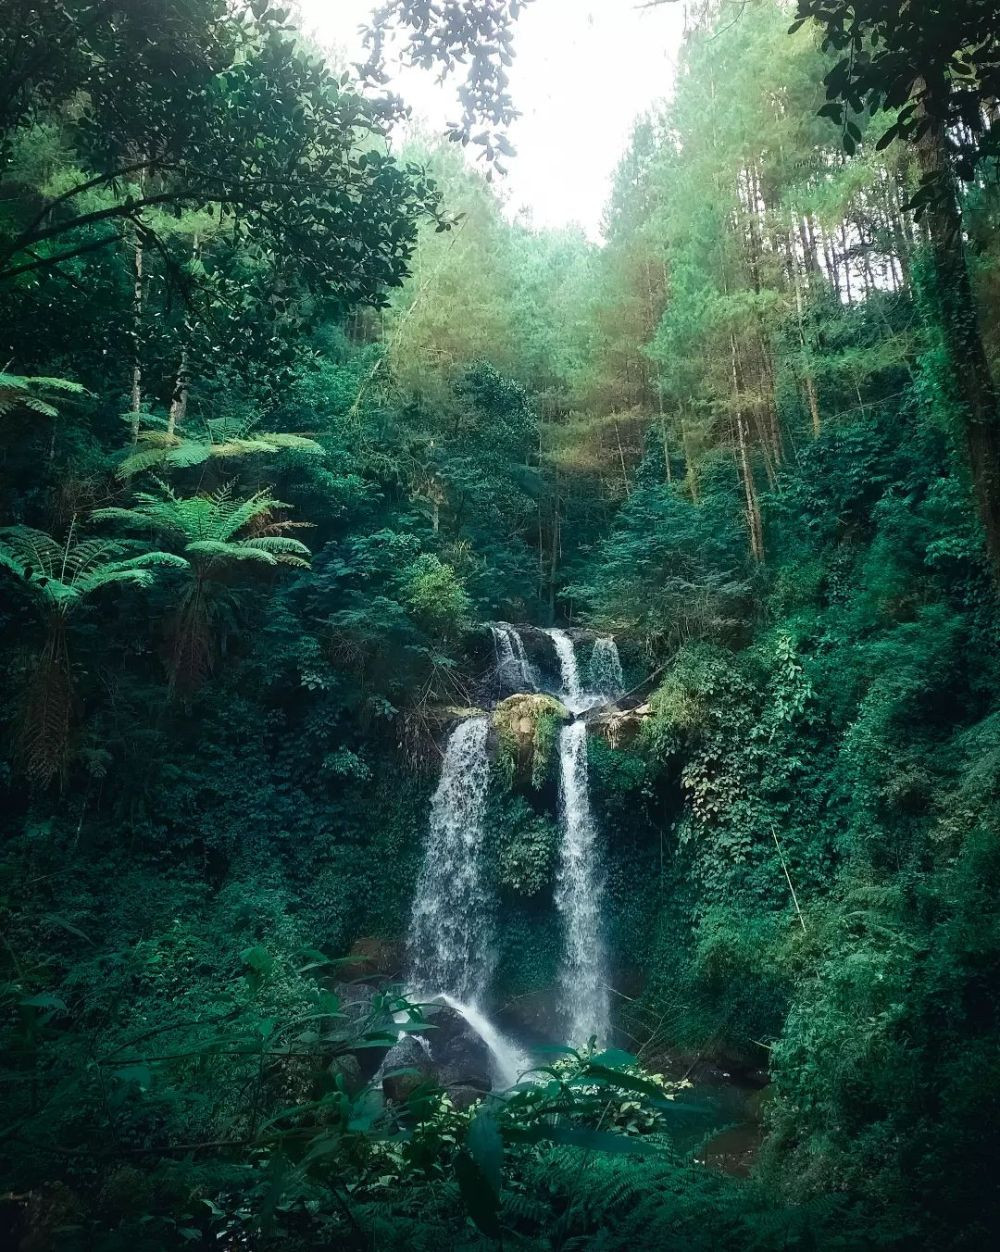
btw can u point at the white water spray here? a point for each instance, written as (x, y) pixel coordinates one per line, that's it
(579, 896)
(451, 946)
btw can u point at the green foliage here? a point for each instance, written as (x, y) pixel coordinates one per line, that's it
(732, 436)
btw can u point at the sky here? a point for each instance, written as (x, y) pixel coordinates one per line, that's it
(585, 70)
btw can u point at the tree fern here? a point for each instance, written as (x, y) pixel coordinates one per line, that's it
(20, 392)
(60, 576)
(215, 532)
(158, 448)
(209, 526)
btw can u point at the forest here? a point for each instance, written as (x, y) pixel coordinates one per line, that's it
(501, 731)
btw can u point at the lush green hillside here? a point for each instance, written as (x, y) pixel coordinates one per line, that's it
(286, 417)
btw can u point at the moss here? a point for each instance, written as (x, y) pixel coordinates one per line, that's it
(527, 726)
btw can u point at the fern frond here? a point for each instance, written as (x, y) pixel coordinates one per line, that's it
(38, 406)
(151, 560)
(52, 384)
(138, 462)
(159, 439)
(32, 549)
(301, 443)
(189, 453)
(287, 551)
(245, 511)
(104, 577)
(144, 420)
(229, 551)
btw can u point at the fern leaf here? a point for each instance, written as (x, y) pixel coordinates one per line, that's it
(229, 551)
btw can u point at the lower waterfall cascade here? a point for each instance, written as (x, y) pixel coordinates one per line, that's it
(451, 945)
(583, 978)
(451, 952)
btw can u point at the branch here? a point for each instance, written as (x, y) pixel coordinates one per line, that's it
(48, 262)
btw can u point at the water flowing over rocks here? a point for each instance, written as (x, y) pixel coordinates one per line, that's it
(541, 701)
(583, 976)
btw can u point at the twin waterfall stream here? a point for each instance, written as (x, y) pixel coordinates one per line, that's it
(451, 947)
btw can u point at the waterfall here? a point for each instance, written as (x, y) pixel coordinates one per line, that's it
(509, 1062)
(450, 944)
(451, 953)
(572, 694)
(606, 669)
(583, 976)
(513, 667)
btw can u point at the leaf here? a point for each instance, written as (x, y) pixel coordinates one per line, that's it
(485, 1146)
(258, 958)
(45, 1001)
(55, 920)
(613, 1058)
(615, 1078)
(481, 1201)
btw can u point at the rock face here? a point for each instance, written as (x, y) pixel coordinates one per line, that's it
(517, 722)
(451, 1055)
(619, 726)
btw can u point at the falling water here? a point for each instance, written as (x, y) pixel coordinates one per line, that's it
(509, 1062)
(583, 976)
(451, 952)
(606, 669)
(572, 694)
(450, 944)
(513, 667)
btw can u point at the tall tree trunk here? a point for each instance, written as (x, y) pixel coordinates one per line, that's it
(754, 523)
(136, 395)
(178, 401)
(973, 380)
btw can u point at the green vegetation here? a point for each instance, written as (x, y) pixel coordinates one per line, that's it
(285, 418)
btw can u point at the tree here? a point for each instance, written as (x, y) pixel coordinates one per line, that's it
(60, 577)
(936, 64)
(214, 532)
(478, 35)
(179, 108)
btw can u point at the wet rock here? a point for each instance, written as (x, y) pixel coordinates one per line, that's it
(451, 1055)
(355, 999)
(534, 1015)
(411, 1056)
(349, 1067)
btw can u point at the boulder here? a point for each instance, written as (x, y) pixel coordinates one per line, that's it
(409, 1054)
(451, 1055)
(516, 722)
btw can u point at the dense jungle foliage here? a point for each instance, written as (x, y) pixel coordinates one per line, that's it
(286, 415)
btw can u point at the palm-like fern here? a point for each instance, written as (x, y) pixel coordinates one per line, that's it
(214, 532)
(60, 576)
(209, 526)
(159, 448)
(20, 392)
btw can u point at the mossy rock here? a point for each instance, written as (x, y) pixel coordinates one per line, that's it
(526, 726)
